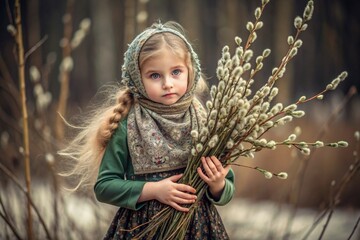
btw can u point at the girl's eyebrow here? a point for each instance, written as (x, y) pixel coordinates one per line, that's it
(150, 71)
(179, 66)
(154, 70)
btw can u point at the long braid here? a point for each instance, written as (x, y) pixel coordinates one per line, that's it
(86, 149)
(117, 113)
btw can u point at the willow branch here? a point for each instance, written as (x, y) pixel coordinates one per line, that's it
(21, 72)
(298, 182)
(36, 46)
(64, 72)
(354, 229)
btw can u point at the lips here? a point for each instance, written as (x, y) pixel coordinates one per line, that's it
(169, 95)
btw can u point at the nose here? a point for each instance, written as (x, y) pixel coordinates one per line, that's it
(168, 83)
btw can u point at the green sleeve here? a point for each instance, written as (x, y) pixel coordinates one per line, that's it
(111, 186)
(228, 191)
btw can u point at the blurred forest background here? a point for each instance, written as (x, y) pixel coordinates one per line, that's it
(73, 48)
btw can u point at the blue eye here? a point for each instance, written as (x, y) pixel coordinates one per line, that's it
(155, 76)
(176, 72)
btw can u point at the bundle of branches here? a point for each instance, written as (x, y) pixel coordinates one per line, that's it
(238, 118)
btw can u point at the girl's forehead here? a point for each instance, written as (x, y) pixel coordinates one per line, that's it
(165, 56)
(165, 49)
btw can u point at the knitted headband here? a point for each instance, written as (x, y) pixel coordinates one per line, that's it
(131, 76)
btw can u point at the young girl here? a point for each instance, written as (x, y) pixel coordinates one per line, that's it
(144, 141)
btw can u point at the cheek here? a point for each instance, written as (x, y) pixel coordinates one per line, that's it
(150, 90)
(183, 87)
(148, 87)
(185, 84)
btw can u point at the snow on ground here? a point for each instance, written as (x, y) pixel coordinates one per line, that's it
(248, 220)
(80, 218)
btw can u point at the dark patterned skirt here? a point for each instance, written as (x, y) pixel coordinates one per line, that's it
(206, 222)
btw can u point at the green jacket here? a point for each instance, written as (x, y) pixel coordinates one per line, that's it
(113, 186)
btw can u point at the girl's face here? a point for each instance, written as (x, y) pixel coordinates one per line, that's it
(165, 76)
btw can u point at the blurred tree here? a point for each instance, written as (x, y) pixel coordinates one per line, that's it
(104, 59)
(283, 10)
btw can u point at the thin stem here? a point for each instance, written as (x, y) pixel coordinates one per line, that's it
(326, 223)
(3, 207)
(249, 42)
(36, 46)
(8, 219)
(315, 223)
(12, 227)
(312, 98)
(241, 165)
(354, 229)
(21, 72)
(284, 62)
(55, 202)
(9, 13)
(64, 73)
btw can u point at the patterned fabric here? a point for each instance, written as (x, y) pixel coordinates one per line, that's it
(159, 135)
(160, 143)
(205, 224)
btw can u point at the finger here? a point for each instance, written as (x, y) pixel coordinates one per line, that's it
(207, 168)
(202, 175)
(175, 178)
(185, 188)
(186, 196)
(211, 165)
(178, 207)
(180, 200)
(217, 163)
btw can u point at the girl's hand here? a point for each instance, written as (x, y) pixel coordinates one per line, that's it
(214, 175)
(169, 192)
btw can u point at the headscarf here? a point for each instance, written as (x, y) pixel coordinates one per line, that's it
(159, 135)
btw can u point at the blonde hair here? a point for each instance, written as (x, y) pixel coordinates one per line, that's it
(87, 148)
